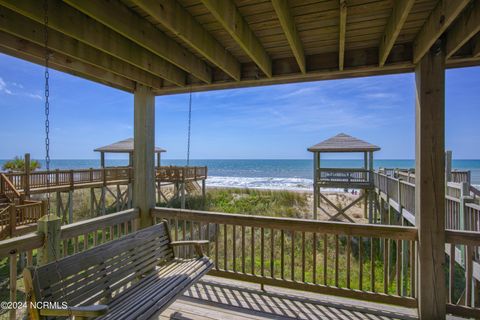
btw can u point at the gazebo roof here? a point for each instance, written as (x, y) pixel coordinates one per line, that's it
(123, 146)
(343, 143)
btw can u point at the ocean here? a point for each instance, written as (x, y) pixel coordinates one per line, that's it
(266, 174)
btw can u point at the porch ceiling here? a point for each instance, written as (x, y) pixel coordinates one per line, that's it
(176, 46)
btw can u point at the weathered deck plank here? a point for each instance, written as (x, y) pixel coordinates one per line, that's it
(217, 298)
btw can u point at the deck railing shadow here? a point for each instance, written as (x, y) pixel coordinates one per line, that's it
(271, 303)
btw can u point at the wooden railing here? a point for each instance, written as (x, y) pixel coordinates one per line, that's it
(457, 201)
(173, 173)
(462, 219)
(369, 262)
(74, 238)
(461, 176)
(9, 189)
(38, 181)
(457, 176)
(343, 176)
(463, 248)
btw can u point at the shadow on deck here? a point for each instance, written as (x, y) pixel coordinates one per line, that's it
(217, 298)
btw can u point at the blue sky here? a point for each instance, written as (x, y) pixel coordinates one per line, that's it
(275, 122)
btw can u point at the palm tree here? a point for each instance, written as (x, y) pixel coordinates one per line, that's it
(18, 164)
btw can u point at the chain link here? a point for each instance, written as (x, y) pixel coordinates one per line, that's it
(189, 127)
(47, 103)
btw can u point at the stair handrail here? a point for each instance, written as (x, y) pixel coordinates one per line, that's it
(8, 186)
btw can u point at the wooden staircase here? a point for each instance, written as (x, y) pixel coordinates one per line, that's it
(4, 216)
(17, 215)
(192, 187)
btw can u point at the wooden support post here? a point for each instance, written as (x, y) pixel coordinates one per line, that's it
(430, 183)
(26, 187)
(144, 154)
(448, 166)
(315, 189)
(102, 159)
(49, 225)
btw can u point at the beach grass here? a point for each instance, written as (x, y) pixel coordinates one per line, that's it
(280, 203)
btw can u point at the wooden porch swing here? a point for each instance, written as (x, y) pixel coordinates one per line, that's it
(133, 277)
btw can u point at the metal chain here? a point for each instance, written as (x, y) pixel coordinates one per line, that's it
(47, 145)
(189, 126)
(47, 103)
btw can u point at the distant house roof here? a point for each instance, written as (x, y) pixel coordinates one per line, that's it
(343, 143)
(124, 146)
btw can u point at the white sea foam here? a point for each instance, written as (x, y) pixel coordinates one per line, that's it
(294, 184)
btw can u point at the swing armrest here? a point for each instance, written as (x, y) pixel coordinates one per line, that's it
(196, 243)
(92, 311)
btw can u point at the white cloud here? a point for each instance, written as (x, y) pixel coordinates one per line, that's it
(34, 96)
(3, 87)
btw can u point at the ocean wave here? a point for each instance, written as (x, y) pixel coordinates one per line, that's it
(292, 184)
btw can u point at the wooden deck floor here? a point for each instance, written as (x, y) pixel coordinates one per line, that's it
(216, 298)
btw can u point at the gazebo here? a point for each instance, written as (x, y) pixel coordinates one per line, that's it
(345, 178)
(124, 146)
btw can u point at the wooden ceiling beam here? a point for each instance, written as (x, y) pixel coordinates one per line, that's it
(77, 25)
(227, 14)
(27, 29)
(476, 46)
(400, 11)
(289, 28)
(35, 53)
(464, 28)
(324, 66)
(439, 20)
(121, 19)
(342, 31)
(171, 15)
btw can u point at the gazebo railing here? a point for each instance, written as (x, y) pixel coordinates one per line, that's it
(343, 175)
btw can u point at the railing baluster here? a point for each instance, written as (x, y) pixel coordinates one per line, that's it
(399, 267)
(243, 249)
(372, 265)
(85, 241)
(217, 235)
(451, 273)
(386, 268)
(314, 262)
(282, 254)
(234, 251)
(336, 260)
(360, 264)
(252, 250)
(272, 252)
(325, 257)
(262, 252)
(303, 256)
(348, 260)
(292, 257)
(468, 274)
(225, 247)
